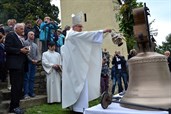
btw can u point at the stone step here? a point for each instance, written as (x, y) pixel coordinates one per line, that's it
(3, 112)
(27, 103)
(5, 94)
(2, 108)
(5, 104)
(39, 99)
(3, 85)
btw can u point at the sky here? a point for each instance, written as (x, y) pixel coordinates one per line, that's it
(57, 3)
(160, 10)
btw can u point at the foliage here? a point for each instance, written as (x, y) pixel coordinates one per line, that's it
(54, 108)
(126, 22)
(94, 102)
(23, 10)
(47, 109)
(166, 46)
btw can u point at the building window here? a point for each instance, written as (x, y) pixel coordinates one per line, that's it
(85, 17)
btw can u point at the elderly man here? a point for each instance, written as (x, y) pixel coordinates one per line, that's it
(82, 60)
(16, 61)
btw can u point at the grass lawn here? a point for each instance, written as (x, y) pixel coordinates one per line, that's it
(54, 108)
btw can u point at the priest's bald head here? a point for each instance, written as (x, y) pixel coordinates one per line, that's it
(77, 21)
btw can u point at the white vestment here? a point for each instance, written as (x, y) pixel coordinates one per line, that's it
(53, 78)
(82, 60)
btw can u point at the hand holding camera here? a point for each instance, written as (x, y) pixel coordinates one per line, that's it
(25, 50)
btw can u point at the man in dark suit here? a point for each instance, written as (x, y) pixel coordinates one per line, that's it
(121, 71)
(16, 61)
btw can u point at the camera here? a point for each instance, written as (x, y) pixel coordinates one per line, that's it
(117, 55)
(27, 47)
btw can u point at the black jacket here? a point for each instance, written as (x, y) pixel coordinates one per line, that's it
(122, 62)
(14, 58)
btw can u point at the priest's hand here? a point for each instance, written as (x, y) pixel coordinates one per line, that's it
(107, 30)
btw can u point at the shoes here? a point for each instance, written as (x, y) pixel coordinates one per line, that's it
(122, 93)
(9, 88)
(33, 95)
(29, 96)
(78, 112)
(73, 112)
(17, 110)
(26, 97)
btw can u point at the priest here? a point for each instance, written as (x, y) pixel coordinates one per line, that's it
(82, 60)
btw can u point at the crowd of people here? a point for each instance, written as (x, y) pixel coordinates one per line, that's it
(75, 53)
(118, 72)
(21, 48)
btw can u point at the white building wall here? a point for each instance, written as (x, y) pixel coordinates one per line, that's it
(100, 15)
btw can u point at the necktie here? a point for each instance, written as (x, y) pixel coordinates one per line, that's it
(22, 40)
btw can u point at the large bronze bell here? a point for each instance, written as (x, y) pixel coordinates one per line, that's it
(150, 81)
(150, 78)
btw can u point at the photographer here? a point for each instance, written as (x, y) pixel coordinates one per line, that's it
(47, 29)
(121, 71)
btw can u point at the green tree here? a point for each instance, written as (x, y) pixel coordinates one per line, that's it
(23, 10)
(126, 21)
(166, 46)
